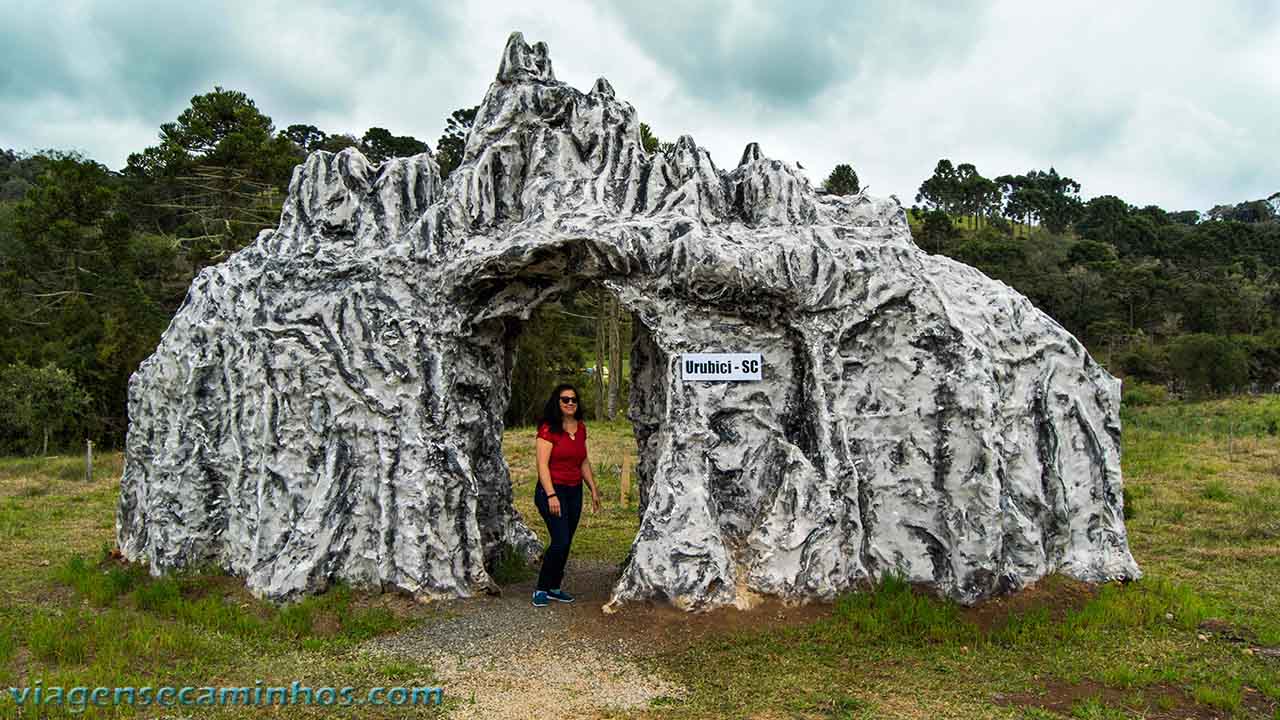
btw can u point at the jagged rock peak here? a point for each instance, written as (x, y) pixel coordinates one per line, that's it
(686, 142)
(520, 61)
(602, 87)
(541, 147)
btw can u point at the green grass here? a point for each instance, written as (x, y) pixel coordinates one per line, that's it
(1220, 420)
(1217, 696)
(1202, 496)
(70, 615)
(510, 568)
(1203, 493)
(893, 613)
(1215, 491)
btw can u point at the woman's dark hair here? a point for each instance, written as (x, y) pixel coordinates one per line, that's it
(551, 411)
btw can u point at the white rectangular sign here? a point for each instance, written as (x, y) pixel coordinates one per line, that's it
(720, 367)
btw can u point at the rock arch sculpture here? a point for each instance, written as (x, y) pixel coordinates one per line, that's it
(327, 403)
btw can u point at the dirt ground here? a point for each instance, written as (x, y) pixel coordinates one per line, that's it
(500, 657)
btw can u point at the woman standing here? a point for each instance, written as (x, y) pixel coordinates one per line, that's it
(562, 468)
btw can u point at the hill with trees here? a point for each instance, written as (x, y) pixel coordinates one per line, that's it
(94, 262)
(1175, 298)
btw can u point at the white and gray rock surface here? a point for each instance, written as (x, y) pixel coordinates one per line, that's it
(327, 403)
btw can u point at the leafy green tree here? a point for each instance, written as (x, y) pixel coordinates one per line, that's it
(306, 137)
(1252, 211)
(540, 357)
(339, 142)
(937, 229)
(1264, 356)
(1020, 203)
(651, 143)
(1102, 218)
(40, 402)
(216, 178)
(1060, 204)
(1143, 362)
(222, 128)
(1044, 197)
(80, 289)
(67, 236)
(1249, 312)
(842, 181)
(994, 253)
(1206, 305)
(1209, 363)
(648, 140)
(942, 190)
(1137, 234)
(960, 189)
(453, 143)
(1090, 251)
(1136, 287)
(1155, 214)
(970, 191)
(379, 144)
(18, 172)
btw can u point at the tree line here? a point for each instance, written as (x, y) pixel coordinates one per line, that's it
(1175, 298)
(94, 263)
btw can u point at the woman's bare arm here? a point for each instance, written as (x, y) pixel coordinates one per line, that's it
(590, 479)
(587, 476)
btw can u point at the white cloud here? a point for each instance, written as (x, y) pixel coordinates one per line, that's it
(1165, 103)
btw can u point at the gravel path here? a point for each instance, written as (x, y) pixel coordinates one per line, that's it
(503, 658)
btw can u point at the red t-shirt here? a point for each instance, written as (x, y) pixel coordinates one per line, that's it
(567, 453)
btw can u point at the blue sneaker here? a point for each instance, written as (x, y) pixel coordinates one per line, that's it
(539, 598)
(560, 595)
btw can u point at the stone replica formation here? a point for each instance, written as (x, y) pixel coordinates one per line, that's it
(327, 404)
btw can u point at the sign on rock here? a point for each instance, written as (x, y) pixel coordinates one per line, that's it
(720, 367)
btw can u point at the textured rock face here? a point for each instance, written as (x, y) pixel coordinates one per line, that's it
(327, 403)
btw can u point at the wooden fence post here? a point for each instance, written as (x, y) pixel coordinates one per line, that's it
(88, 461)
(625, 484)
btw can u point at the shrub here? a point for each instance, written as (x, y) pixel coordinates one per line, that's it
(1208, 363)
(1145, 363)
(510, 567)
(1140, 393)
(1264, 356)
(1090, 251)
(1130, 510)
(991, 251)
(1215, 490)
(40, 403)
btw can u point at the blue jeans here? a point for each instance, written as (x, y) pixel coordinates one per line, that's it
(561, 529)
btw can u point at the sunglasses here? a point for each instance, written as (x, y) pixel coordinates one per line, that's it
(569, 400)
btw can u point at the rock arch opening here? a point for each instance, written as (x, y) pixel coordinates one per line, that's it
(505, 303)
(327, 404)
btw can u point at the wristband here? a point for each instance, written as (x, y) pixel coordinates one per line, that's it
(551, 496)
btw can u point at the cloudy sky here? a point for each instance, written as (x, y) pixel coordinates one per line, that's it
(1166, 102)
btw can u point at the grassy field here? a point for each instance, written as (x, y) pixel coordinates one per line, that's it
(1189, 640)
(1204, 526)
(71, 616)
